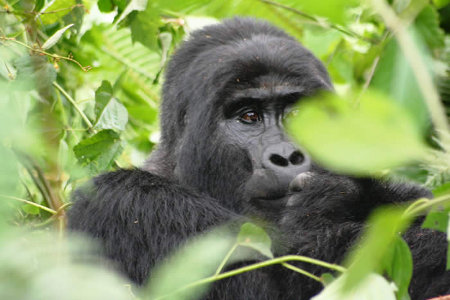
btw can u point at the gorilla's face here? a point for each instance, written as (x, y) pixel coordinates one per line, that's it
(253, 120)
(223, 111)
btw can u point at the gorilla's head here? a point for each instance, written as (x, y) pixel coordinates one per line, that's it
(226, 92)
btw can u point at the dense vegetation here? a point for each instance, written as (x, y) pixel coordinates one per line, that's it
(80, 87)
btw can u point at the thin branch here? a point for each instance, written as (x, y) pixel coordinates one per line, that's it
(423, 206)
(47, 209)
(72, 101)
(56, 57)
(301, 271)
(266, 263)
(226, 258)
(414, 58)
(319, 22)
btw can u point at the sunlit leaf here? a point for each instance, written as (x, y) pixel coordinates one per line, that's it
(399, 266)
(255, 237)
(372, 287)
(197, 260)
(138, 5)
(56, 10)
(51, 41)
(427, 25)
(374, 248)
(373, 137)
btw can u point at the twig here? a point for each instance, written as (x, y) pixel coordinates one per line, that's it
(47, 209)
(321, 23)
(56, 57)
(72, 101)
(266, 263)
(417, 64)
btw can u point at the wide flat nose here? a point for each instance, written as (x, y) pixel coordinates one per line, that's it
(286, 160)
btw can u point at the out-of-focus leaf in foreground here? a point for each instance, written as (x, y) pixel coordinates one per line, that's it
(375, 136)
(255, 237)
(198, 259)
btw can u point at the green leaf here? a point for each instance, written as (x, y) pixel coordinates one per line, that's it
(327, 278)
(373, 286)
(51, 41)
(399, 266)
(376, 136)
(31, 209)
(437, 220)
(39, 5)
(255, 237)
(99, 151)
(105, 6)
(374, 249)
(394, 77)
(111, 114)
(36, 70)
(196, 260)
(138, 5)
(427, 25)
(57, 10)
(442, 190)
(145, 27)
(114, 116)
(441, 3)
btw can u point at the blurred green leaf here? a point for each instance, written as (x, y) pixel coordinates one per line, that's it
(99, 151)
(427, 26)
(376, 136)
(374, 251)
(56, 10)
(372, 287)
(441, 3)
(196, 260)
(437, 220)
(144, 26)
(105, 5)
(442, 190)
(399, 266)
(51, 41)
(36, 71)
(133, 5)
(255, 237)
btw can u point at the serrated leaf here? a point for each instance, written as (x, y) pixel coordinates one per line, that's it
(399, 266)
(145, 27)
(133, 5)
(376, 136)
(114, 116)
(51, 41)
(99, 151)
(110, 113)
(255, 237)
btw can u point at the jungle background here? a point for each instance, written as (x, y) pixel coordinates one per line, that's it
(80, 88)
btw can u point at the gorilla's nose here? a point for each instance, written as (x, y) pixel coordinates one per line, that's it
(286, 160)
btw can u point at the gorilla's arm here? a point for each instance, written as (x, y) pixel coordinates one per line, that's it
(326, 215)
(140, 218)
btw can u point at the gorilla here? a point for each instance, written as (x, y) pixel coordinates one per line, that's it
(224, 156)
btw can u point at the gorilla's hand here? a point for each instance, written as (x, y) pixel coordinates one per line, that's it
(323, 195)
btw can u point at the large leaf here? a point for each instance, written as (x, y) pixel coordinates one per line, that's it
(399, 266)
(198, 259)
(374, 252)
(373, 287)
(371, 138)
(255, 237)
(99, 151)
(51, 41)
(56, 10)
(111, 114)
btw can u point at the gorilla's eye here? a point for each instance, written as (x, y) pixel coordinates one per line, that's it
(250, 117)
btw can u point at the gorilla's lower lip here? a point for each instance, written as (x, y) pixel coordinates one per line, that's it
(271, 202)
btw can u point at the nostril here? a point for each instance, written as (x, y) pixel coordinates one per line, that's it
(296, 158)
(278, 160)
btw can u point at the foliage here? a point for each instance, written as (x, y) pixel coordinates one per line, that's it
(80, 84)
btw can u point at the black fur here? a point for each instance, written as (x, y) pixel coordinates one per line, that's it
(213, 167)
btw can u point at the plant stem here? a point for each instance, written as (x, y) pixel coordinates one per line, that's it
(424, 206)
(301, 271)
(266, 263)
(47, 209)
(225, 259)
(417, 64)
(72, 101)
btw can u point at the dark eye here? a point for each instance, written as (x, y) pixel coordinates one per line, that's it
(250, 117)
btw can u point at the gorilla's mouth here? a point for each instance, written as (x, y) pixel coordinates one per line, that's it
(265, 188)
